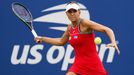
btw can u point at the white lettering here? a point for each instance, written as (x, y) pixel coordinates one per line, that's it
(63, 54)
(36, 54)
(24, 56)
(67, 59)
(103, 50)
(22, 59)
(59, 57)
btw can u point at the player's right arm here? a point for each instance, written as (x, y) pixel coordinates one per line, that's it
(55, 41)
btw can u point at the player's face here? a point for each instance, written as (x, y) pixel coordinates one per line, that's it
(73, 15)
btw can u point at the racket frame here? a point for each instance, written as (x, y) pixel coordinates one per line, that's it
(28, 24)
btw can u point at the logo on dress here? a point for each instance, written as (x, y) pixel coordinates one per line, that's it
(75, 37)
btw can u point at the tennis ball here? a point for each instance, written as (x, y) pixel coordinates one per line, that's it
(97, 40)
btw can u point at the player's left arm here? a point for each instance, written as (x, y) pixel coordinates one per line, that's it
(101, 28)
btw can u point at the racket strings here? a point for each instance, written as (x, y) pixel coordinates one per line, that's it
(22, 12)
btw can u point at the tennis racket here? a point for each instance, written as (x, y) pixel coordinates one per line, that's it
(24, 15)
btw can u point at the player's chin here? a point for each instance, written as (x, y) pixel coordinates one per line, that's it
(73, 19)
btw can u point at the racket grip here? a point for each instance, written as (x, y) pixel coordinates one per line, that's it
(34, 33)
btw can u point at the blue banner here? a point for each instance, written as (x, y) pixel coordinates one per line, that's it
(20, 55)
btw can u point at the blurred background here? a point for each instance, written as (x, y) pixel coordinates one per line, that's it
(20, 55)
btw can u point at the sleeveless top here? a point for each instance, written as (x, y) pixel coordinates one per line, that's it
(86, 60)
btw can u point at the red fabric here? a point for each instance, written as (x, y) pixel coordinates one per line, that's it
(87, 61)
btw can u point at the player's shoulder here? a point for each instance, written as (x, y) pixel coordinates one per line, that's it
(68, 26)
(85, 22)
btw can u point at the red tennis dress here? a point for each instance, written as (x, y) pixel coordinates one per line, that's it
(87, 61)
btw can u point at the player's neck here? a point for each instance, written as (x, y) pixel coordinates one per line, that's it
(74, 23)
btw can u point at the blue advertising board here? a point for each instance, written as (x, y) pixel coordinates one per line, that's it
(20, 55)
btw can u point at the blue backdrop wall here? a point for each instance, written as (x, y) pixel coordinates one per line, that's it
(20, 55)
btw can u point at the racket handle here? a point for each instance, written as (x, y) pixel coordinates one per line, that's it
(34, 33)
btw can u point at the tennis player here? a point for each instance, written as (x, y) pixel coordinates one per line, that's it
(80, 34)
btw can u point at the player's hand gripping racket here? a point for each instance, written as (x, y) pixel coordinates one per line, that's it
(25, 16)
